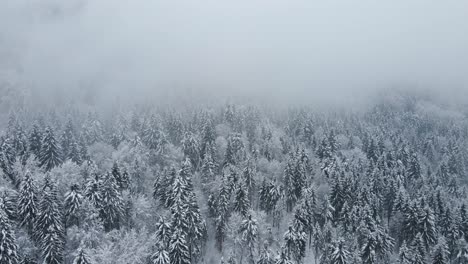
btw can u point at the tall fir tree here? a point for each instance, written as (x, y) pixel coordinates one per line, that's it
(81, 257)
(50, 155)
(8, 247)
(160, 256)
(35, 140)
(28, 203)
(111, 206)
(49, 230)
(72, 206)
(178, 249)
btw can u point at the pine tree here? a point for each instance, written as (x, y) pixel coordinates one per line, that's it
(67, 139)
(418, 250)
(7, 159)
(111, 206)
(208, 139)
(153, 136)
(121, 178)
(74, 153)
(208, 169)
(440, 252)
(235, 149)
(52, 248)
(339, 254)
(49, 230)
(50, 155)
(283, 258)
(338, 196)
(92, 130)
(191, 149)
(8, 247)
(461, 256)
(163, 232)
(81, 257)
(27, 203)
(414, 169)
(241, 203)
(295, 243)
(427, 227)
(405, 254)
(160, 256)
(93, 189)
(249, 234)
(265, 256)
(35, 140)
(72, 205)
(178, 249)
(464, 221)
(27, 260)
(368, 250)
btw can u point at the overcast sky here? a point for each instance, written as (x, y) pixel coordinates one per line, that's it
(293, 50)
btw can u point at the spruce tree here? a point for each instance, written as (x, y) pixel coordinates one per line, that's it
(283, 258)
(249, 234)
(160, 256)
(178, 249)
(163, 232)
(339, 254)
(440, 252)
(35, 140)
(81, 257)
(427, 227)
(28, 203)
(93, 189)
(241, 203)
(191, 149)
(121, 178)
(265, 256)
(111, 206)
(234, 150)
(50, 155)
(8, 247)
(153, 136)
(72, 205)
(7, 159)
(67, 139)
(49, 232)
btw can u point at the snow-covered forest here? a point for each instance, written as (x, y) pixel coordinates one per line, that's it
(236, 183)
(233, 132)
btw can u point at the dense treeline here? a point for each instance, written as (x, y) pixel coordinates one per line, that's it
(236, 184)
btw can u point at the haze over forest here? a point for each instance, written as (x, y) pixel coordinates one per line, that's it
(288, 51)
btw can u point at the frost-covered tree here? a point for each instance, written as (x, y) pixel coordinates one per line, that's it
(49, 230)
(153, 135)
(81, 257)
(178, 248)
(111, 206)
(191, 149)
(265, 256)
(28, 203)
(440, 252)
(121, 177)
(249, 234)
(241, 203)
(35, 140)
(160, 256)
(8, 247)
(72, 205)
(339, 254)
(50, 155)
(235, 149)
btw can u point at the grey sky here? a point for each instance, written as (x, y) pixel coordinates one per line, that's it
(299, 50)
